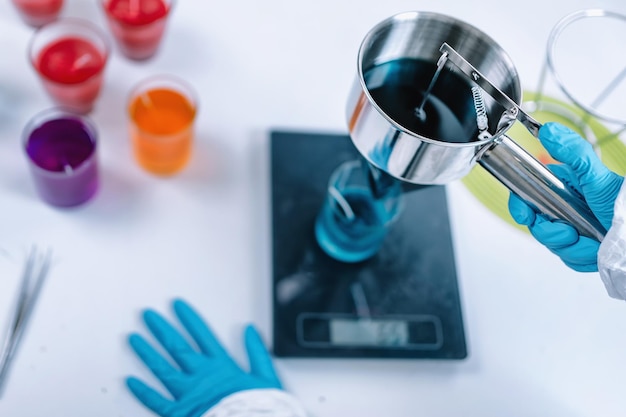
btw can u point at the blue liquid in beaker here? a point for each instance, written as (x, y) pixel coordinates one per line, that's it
(357, 234)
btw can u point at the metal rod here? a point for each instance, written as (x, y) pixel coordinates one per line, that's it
(419, 111)
(35, 272)
(609, 88)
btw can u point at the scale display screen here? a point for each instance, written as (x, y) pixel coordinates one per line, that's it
(369, 332)
(327, 330)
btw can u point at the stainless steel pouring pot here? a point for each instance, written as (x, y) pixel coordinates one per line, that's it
(405, 51)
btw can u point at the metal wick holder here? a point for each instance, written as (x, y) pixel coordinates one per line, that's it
(414, 158)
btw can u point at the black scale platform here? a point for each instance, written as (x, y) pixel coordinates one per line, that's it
(402, 303)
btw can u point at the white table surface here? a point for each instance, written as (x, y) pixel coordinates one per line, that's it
(543, 340)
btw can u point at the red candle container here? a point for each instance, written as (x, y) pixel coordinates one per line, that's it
(37, 13)
(70, 55)
(137, 25)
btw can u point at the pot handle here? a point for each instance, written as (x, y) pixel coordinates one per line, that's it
(532, 181)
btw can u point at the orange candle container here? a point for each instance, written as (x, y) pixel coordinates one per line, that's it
(162, 111)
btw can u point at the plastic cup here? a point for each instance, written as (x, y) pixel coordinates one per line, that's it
(70, 55)
(37, 13)
(162, 111)
(137, 25)
(60, 147)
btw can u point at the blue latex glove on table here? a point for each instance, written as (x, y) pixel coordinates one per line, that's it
(201, 376)
(582, 170)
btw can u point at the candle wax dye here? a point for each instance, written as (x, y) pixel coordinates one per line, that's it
(357, 212)
(358, 236)
(70, 60)
(71, 69)
(38, 12)
(162, 129)
(63, 154)
(162, 111)
(137, 25)
(136, 12)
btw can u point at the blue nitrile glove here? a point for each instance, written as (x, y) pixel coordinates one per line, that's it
(582, 170)
(203, 375)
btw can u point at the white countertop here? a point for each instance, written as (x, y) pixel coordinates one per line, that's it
(543, 340)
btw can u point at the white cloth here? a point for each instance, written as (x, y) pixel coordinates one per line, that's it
(612, 253)
(256, 403)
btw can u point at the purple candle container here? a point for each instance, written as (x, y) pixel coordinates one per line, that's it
(61, 149)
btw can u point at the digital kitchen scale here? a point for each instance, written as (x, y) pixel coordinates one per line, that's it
(402, 303)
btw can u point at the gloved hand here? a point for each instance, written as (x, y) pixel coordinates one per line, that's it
(203, 377)
(582, 170)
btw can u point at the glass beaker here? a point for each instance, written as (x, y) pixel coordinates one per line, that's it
(162, 110)
(137, 26)
(61, 148)
(361, 203)
(70, 55)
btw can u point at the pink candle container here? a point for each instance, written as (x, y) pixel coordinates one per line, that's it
(137, 25)
(37, 13)
(70, 56)
(60, 147)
